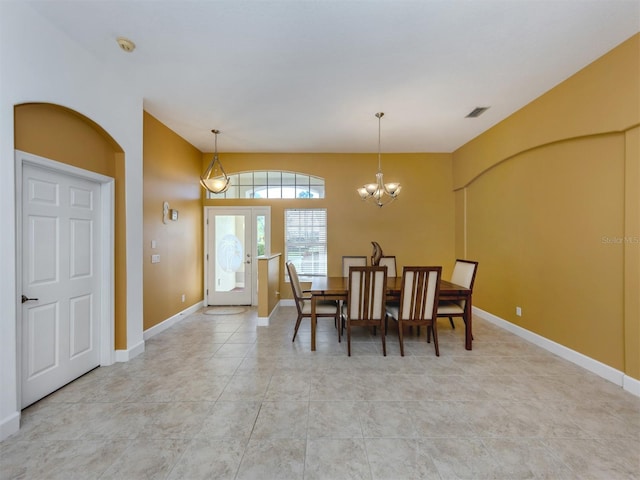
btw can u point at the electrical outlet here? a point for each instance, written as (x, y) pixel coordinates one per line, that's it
(184, 298)
(519, 311)
(155, 258)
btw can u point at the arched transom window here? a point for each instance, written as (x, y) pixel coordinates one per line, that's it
(273, 184)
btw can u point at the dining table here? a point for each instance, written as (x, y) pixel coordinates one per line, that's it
(336, 288)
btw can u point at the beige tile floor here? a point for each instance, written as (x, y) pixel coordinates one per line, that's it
(223, 397)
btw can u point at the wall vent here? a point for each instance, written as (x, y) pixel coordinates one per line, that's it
(476, 112)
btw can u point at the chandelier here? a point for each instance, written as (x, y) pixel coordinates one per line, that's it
(379, 192)
(214, 179)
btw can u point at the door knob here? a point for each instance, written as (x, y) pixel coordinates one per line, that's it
(26, 299)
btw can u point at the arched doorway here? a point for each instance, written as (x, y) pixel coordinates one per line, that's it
(64, 140)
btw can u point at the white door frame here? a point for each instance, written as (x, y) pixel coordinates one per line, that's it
(107, 319)
(255, 211)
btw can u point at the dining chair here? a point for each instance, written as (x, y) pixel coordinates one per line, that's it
(389, 261)
(464, 274)
(366, 301)
(347, 262)
(324, 308)
(352, 261)
(418, 302)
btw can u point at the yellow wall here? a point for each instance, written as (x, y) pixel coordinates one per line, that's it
(545, 204)
(171, 170)
(418, 227)
(268, 283)
(60, 134)
(632, 253)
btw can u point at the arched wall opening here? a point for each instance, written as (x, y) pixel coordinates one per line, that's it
(61, 134)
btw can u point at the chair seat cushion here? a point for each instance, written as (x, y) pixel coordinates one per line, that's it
(323, 307)
(450, 308)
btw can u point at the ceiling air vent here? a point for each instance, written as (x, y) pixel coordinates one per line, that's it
(476, 112)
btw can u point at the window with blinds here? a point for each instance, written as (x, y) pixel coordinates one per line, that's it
(305, 233)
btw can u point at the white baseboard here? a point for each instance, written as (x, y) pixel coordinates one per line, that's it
(631, 385)
(9, 425)
(605, 371)
(169, 322)
(264, 321)
(133, 352)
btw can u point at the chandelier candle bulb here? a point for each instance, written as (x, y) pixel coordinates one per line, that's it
(371, 188)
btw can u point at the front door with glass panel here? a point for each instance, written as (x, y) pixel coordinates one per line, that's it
(233, 242)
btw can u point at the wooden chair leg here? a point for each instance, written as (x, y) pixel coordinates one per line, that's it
(435, 339)
(383, 335)
(295, 332)
(348, 338)
(453, 325)
(400, 338)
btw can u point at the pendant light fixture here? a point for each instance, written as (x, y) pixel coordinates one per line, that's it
(379, 192)
(214, 179)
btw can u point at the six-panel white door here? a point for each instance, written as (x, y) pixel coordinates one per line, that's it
(61, 278)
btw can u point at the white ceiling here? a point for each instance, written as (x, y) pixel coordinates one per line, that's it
(308, 76)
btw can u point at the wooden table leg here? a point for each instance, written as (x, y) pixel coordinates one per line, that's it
(313, 323)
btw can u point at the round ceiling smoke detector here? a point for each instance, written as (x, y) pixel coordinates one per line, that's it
(126, 44)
